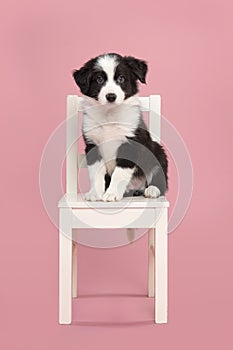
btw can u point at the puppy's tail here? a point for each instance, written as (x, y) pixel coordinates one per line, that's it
(131, 234)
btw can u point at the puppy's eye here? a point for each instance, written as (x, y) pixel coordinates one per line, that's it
(100, 80)
(121, 79)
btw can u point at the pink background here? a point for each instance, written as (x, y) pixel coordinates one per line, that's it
(187, 46)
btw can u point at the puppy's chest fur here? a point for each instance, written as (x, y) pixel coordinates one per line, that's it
(109, 128)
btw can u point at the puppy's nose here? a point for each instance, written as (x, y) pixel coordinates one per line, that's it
(111, 97)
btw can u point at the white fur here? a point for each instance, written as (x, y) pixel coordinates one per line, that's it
(108, 65)
(137, 183)
(108, 127)
(119, 182)
(152, 192)
(96, 175)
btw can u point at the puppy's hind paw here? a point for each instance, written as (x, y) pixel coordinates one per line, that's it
(152, 192)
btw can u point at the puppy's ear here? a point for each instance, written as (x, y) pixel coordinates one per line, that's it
(82, 78)
(138, 67)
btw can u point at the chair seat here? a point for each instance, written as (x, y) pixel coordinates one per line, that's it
(76, 200)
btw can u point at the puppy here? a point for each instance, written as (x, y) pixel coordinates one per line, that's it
(122, 159)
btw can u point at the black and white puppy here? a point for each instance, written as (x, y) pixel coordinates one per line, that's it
(122, 159)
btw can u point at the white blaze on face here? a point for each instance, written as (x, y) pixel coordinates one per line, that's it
(108, 64)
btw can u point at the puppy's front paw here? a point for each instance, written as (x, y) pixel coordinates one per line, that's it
(92, 196)
(112, 196)
(152, 192)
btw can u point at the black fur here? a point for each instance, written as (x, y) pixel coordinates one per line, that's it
(147, 156)
(132, 68)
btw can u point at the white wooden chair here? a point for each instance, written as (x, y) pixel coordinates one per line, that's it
(75, 212)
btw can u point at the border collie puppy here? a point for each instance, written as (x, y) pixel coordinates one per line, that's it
(122, 159)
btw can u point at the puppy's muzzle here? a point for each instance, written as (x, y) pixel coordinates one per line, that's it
(111, 97)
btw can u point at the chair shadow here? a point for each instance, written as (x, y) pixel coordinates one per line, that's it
(111, 295)
(112, 323)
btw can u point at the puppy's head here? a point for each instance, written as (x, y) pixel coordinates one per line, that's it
(111, 78)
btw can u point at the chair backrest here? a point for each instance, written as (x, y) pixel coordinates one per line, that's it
(150, 104)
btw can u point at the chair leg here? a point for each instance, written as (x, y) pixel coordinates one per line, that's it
(74, 269)
(151, 263)
(161, 267)
(65, 267)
